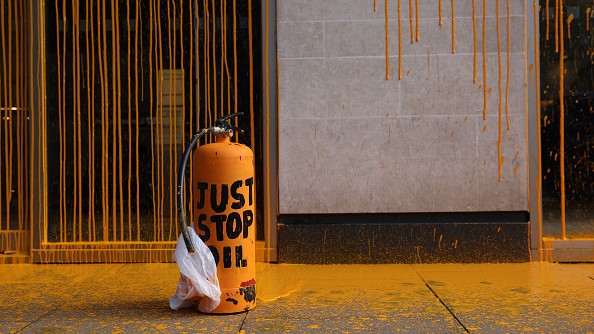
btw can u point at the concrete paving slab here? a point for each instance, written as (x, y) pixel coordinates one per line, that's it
(484, 298)
(117, 320)
(530, 297)
(343, 298)
(26, 302)
(11, 326)
(134, 286)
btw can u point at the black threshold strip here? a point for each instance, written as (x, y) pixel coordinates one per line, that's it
(443, 303)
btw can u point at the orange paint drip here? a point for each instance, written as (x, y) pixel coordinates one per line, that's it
(151, 32)
(400, 43)
(387, 41)
(5, 94)
(453, 28)
(547, 20)
(129, 81)
(508, 66)
(474, 41)
(417, 20)
(500, 109)
(267, 180)
(171, 116)
(235, 59)
(375, 5)
(78, 133)
(114, 123)
(569, 20)
(588, 13)
(214, 60)
(101, 47)
(410, 17)
(58, 56)
(562, 119)
(538, 132)
(526, 106)
(485, 59)
(137, 32)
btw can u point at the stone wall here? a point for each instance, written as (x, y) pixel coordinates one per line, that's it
(353, 142)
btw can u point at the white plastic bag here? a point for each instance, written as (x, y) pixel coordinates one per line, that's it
(198, 280)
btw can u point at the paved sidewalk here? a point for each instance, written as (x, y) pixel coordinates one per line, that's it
(447, 298)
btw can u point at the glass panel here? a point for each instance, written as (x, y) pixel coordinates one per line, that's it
(128, 83)
(571, 32)
(15, 192)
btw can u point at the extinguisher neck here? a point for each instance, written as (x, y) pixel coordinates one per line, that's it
(222, 138)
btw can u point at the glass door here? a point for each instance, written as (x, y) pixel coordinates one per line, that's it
(567, 118)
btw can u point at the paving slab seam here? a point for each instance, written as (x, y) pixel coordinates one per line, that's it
(243, 322)
(39, 318)
(443, 303)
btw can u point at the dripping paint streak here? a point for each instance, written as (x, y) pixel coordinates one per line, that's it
(161, 162)
(128, 92)
(453, 28)
(136, 35)
(235, 60)
(104, 103)
(526, 107)
(538, 133)
(8, 125)
(417, 20)
(173, 185)
(400, 43)
(151, 36)
(562, 117)
(500, 108)
(387, 41)
(119, 123)
(485, 59)
(547, 20)
(91, 100)
(214, 61)
(474, 41)
(410, 17)
(508, 65)
(267, 138)
(194, 72)
(6, 113)
(78, 119)
(171, 111)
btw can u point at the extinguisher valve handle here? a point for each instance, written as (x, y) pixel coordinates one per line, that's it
(222, 122)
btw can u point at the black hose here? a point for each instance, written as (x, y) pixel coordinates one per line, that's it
(180, 188)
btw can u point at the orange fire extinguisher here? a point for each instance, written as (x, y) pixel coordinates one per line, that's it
(224, 215)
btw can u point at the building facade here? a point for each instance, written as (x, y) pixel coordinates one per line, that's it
(384, 131)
